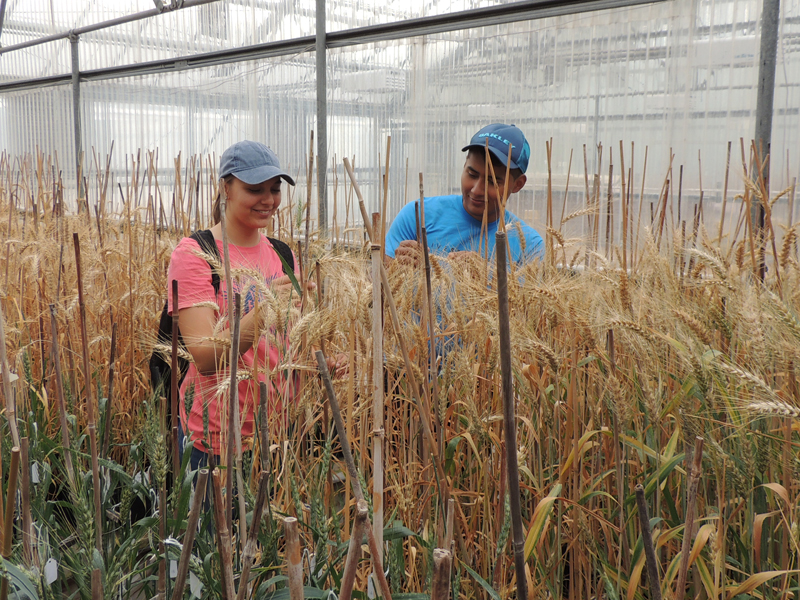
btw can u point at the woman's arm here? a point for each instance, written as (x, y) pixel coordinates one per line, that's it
(197, 327)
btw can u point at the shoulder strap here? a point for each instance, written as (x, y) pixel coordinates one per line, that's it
(284, 251)
(205, 240)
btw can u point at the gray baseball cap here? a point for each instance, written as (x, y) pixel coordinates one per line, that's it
(252, 163)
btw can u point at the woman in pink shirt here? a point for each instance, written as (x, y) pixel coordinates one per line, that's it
(251, 175)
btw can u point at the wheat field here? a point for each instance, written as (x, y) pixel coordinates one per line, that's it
(622, 355)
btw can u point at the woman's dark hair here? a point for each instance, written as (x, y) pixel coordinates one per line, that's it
(216, 209)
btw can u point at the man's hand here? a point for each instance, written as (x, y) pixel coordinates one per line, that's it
(463, 255)
(408, 253)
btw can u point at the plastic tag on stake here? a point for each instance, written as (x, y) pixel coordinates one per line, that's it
(35, 473)
(195, 585)
(50, 571)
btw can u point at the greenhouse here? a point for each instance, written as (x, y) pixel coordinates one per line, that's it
(578, 379)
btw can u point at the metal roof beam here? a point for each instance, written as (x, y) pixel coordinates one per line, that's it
(524, 10)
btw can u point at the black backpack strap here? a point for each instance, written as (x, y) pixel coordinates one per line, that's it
(284, 251)
(205, 239)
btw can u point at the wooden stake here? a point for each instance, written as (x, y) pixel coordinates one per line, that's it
(90, 410)
(224, 538)
(191, 531)
(509, 416)
(442, 561)
(250, 547)
(294, 556)
(351, 467)
(62, 406)
(688, 528)
(8, 522)
(725, 195)
(354, 550)
(653, 579)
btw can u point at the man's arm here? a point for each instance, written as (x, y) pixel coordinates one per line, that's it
(401, 239)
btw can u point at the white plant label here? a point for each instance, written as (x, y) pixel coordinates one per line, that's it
(51, 570)
(195, 585)
(35, 473)
(173, 569)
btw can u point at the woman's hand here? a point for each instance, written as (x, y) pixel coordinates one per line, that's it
(337, 365)
(283, 287)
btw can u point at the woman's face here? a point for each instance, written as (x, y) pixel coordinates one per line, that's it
(252, 205)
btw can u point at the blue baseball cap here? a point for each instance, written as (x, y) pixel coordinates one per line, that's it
(500, 136)
(252, 163)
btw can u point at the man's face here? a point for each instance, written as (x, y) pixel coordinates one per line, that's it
(480, 191)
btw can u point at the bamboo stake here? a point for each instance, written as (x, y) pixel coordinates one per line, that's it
(223, 537)
(639, 213)
(11, 410)
(8, 522)
(294, 556)
(90, 410)
(378, 432)
(625, 560)
(653, 579)
(309, 182)
(361, 206)
(351, 467)
(62, 405)
(725, 194)
(27, 529)
(442, 561)
(354, 550)
(173, 383)
(97, 584)
(566, 192)
(235, 431)
(385, 192)
(694, 478)
(426, 418)
(509, 417)
(191, 531)
(110, 391)
(250, 547)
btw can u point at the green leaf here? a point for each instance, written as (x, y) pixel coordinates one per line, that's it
(19, 581)
(287, 268)
(489, 589)
(308, 592)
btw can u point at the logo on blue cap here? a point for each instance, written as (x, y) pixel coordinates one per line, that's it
(500, 136)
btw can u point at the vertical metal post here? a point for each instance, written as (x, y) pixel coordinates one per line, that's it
(770, 17)
(322, 120)
(2, 14)
(76, 111)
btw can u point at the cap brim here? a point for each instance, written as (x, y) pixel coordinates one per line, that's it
(261, 174)
(503, 158)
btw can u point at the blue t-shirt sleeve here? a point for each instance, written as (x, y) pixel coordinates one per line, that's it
(534, 245)
(404, 227)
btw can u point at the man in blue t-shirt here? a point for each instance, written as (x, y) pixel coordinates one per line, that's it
(453, 223)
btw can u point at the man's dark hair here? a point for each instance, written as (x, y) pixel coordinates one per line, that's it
(499, 168)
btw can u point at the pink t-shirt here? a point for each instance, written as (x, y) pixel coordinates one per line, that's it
(193, 274)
